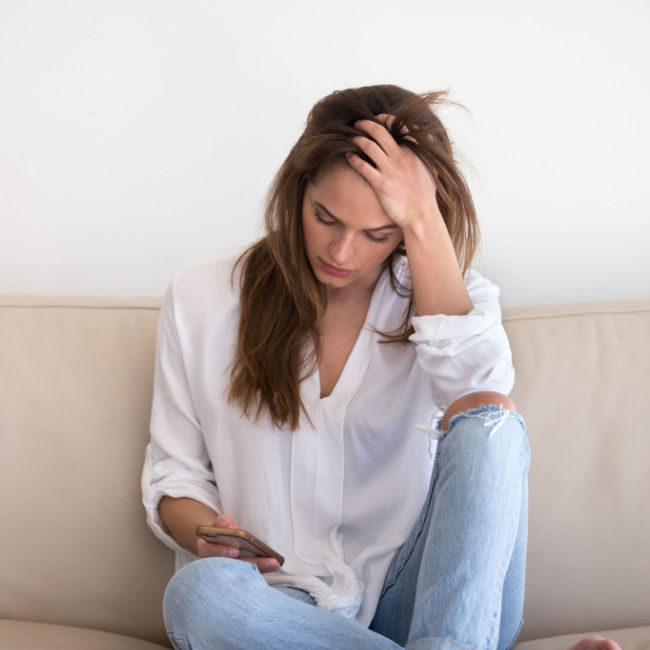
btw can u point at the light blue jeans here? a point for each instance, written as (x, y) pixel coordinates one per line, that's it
(457, 583)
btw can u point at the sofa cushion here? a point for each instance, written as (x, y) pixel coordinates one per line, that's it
(636, 638)
(23, 635)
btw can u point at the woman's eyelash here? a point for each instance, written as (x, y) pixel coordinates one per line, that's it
(372, 238)
(323, 221)
(378, 240)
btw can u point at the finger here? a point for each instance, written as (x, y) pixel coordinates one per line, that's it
(380, 134)
(208, 549)
(404, 130)
(371, 149)
(264, 564)
(364, 168)
(387, 120)
(225, 521)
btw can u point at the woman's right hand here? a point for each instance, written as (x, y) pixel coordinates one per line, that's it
(208, 549)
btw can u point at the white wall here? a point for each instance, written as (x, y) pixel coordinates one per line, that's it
(137, 135)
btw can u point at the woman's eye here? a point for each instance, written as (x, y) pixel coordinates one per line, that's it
(371, 237)
(378, 240)
(323, 221)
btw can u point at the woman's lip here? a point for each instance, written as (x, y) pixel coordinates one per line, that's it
(333, 270)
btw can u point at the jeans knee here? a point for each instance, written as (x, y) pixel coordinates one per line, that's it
(486, 432)
(202, 584)
(476, 400)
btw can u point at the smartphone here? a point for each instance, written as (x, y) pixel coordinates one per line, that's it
(248, 544)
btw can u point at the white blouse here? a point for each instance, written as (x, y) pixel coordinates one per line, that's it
(337, 500)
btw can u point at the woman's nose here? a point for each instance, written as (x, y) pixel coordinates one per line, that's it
(341, 248)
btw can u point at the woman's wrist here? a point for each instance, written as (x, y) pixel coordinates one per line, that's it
(181, 517)
(438, 284)
(426, 225)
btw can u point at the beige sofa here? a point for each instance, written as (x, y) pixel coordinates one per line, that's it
(80, 570)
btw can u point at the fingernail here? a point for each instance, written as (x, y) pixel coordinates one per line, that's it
(233, 552)
(270, 565)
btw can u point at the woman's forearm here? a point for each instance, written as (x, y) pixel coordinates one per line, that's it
(181, 517)
(438, 284)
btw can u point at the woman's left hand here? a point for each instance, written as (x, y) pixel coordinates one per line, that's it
(402, 183)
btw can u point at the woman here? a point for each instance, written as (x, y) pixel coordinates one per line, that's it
(302, 388)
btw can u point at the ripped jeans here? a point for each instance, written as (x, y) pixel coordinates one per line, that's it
(457, 583)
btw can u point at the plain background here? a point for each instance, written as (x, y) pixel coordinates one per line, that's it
(136, 136)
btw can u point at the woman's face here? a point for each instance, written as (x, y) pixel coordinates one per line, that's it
(348, 236)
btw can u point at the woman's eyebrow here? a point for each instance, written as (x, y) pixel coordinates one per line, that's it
(320, 206)
(388, 226)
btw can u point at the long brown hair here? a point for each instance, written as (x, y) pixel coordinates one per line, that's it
(281, 301)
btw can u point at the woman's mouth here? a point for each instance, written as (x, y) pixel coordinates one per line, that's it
(335, 271)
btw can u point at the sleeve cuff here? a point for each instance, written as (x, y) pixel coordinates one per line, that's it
(153, 493)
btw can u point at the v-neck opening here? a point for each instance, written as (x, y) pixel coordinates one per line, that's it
(356, 361)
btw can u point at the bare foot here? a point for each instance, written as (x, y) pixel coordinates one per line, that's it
(595, 642)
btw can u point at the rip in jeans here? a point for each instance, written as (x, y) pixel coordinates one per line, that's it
(493, 416)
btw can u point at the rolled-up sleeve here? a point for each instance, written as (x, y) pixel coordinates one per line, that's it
(464, 354)
(177, 463)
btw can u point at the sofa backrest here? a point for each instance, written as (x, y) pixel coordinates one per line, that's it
(75, 393)
(583, 378)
